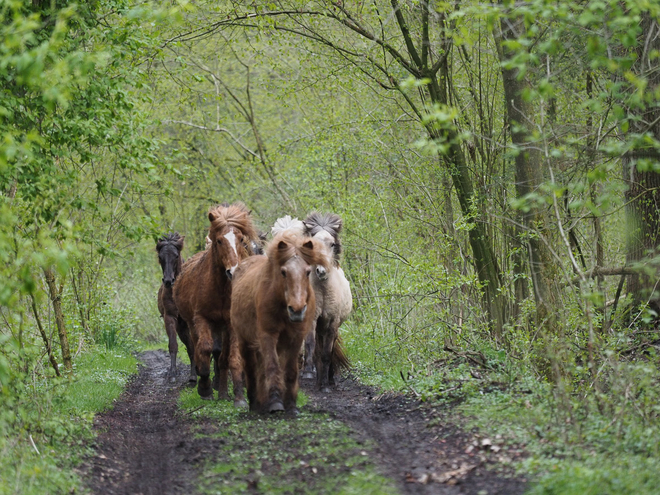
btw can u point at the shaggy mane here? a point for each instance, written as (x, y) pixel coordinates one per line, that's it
(287, 223)
(170, 238)
(330, 222)
(235, 215)
(296, 246)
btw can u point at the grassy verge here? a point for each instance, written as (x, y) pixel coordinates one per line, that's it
(574, 438)
(50, 425)
(308, 454)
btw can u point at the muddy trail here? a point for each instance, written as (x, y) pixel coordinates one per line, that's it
(147, 445)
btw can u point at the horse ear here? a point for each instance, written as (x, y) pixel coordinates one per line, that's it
(282, 245)
(179, 243)
(308, 227)
(212, 216)
(309, 245)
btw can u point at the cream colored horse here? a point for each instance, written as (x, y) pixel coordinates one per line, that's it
(334, 303)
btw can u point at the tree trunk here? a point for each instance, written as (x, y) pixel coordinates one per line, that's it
(643, 195)
(485, 261)
(44, 337)
(529, 176)
(55, 297)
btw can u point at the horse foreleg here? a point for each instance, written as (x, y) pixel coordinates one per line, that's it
(272, 372)
(291, 377)
(334, 335)
(310, 343)
(173, 347)
(219, 366)
(203, 344)
(249, 368)
(236, 367)
(184, 334)
(324, 343)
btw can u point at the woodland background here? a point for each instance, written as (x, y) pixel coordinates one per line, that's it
(496, 166)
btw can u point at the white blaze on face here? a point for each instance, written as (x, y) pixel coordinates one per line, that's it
(231, 238)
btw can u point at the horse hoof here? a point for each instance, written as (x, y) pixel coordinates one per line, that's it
(308, 375)
(293, 412)
(208, 397)
(240, 403)
(192, 379)
(276, 406)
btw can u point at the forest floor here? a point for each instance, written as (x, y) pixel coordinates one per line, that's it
(353, 440)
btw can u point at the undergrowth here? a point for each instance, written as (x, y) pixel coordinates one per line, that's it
(46, 422)
(578, 436)
(308, 454)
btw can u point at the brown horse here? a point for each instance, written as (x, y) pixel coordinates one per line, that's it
(333, 303)
(203, 297)
(272, 311)
(169, 249)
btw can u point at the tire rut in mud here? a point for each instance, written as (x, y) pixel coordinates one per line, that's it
(410, 446)
(143, 446)
(146, 446)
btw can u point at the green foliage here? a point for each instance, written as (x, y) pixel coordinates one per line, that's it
(57, 416)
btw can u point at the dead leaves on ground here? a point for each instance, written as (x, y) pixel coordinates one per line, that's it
(452, 477)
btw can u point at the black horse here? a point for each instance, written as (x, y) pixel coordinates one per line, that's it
(169, 256)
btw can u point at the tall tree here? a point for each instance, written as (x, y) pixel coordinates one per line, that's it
(641, 165)
(388, 43)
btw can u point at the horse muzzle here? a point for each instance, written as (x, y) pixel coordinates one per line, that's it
(230, 272)
(297, 316)
(168, 282)
(321, 272)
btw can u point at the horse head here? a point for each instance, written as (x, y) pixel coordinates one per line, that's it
(294, 257)
(325, 228)
(230, 232)
(169, 249)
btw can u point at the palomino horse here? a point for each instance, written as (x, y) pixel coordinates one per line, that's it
(333, 303)
(272, 310)
(169, 256)
(203, 296)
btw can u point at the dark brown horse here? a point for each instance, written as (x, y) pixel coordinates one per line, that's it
(272, 310)
(169, 249)
(333, 303)
(203, 296)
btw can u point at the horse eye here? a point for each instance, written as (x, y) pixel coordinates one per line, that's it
(284, 273)
(308, 272)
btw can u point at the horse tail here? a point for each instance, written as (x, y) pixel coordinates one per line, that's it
(339, 357)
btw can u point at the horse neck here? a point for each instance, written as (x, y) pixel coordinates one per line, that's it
(216, 269)
(178, 267)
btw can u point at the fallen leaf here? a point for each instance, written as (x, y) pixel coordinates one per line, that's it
(455, 475)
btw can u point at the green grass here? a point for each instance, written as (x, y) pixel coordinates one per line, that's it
(57, 416)
(574, 441)
(308, 454)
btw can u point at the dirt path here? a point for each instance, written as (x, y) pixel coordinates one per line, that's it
(412, 447)
(146, 446)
